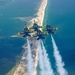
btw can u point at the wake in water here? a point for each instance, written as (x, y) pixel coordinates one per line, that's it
(59, 63)
(44, 63)
(29, 59)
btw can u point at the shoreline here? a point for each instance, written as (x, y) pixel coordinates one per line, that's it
(21, 69)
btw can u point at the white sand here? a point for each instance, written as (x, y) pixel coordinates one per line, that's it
(21, 69)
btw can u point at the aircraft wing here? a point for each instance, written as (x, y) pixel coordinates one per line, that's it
(54, 28)
(45, 33)
(40, 26)
(30, 27)
(44, 29)
(31, 31)
(19, 33)
(34, 35)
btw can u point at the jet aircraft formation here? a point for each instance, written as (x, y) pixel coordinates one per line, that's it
(37, 31)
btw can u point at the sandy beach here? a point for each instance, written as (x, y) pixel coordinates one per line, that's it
(22, 67)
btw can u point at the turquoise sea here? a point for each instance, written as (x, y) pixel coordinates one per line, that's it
(59, 14)
(11, 48)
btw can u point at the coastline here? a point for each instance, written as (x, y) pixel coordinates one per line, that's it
(21, 69)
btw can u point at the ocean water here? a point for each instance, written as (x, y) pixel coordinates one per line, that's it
(10, 24)
(61, 14)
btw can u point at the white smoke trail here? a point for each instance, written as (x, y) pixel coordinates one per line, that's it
(29, 59)
(41, 63)
(59, 63)
(44, 63)
(47, 64)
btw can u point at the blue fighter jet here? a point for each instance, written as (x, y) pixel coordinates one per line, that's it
(26, 32)
(35, 26)
(50, 29)
(40, 35)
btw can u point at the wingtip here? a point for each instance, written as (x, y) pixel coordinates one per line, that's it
(56, 28)
(18, 33)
